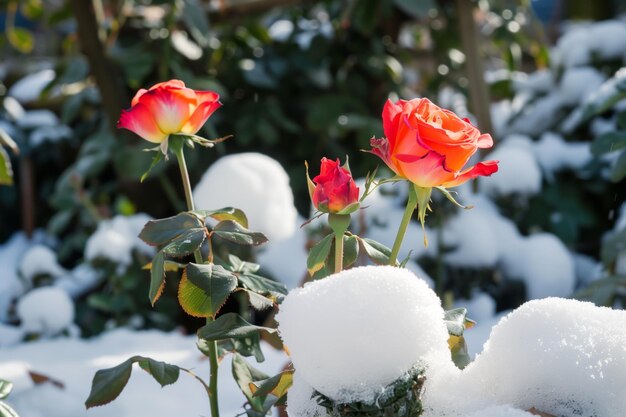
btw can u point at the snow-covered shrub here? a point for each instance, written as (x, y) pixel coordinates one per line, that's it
(45, 310)
(254, 183)
(345, 337)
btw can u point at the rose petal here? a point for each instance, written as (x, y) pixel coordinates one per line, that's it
(170, 107)
(426, 171)
(139, 119)
(200, 116)
(169, 84)
(484, 141)
(481, 169)
(139, 93)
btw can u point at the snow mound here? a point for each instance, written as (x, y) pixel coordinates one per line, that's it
(348, 350)
(606, 40)
(30, 87)
(254, 183)
(115, 240)
(299, 402)
(45, 310)
(519, 172)
(40, 260)
(471, 234)
(554, 154)
(578, 83)
(544, 264)
(563, 357)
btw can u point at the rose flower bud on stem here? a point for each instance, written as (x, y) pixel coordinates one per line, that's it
(428, 146)
(334, 192)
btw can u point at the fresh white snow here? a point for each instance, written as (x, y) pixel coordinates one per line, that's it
(345, 337)
(254, 183)
(45, 310)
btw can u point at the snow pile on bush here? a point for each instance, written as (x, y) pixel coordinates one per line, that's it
(353, 333)
(46, 311)
(115, 239)
(254, 183)
(563, 357)
(40, 260)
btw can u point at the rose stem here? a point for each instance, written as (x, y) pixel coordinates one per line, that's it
(411, 205)
(212, 345)
(338, 252)
(339, 223)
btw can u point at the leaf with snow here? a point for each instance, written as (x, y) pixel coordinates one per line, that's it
(5, 388)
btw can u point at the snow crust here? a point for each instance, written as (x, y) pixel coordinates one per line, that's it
(354, 332)
(606, 39)
(45, 310)
(577, 83)
(254, 183)
(554, 154)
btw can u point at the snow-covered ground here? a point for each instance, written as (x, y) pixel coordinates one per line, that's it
(73, 362)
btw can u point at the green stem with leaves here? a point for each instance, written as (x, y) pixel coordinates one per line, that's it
(411, 205)
(176, 145)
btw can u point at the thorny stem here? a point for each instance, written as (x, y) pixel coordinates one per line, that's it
(177, 148)
(411, 205)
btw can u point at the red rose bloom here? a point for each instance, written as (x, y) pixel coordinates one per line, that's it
(429, 146)
(168, 108)
(335, 189)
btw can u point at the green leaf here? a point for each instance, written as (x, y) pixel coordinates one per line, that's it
(5, 388)
(458, 350)
(6, 140)
(163, 373)
(456, 320)
(318, 254)
(608, 142)
(237, 265)
(157, 277)
(108, 384)
(236, 233)
(276, 385)
(226, 213)
(185, 244)
(417, 9)
(377, 252)
(155, 161)
(195, 17)
(6, 170)
(245, 375)
(21, 39)
(258, 301)
(6, 410)
(261, 284)
(619, 168)
(228, 326)
(161, 231)
(204, 289)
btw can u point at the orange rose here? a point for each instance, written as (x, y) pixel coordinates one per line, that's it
(429, 146)
(168, 108)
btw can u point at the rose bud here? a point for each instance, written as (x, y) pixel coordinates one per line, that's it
(334, 190)
(168, 108)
